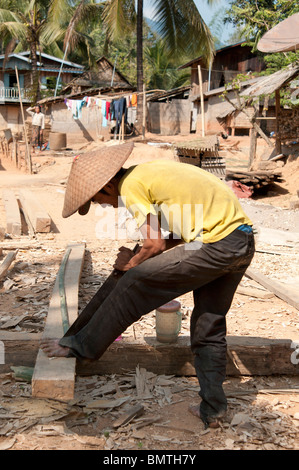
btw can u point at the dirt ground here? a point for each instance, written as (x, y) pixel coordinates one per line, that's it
(263, 410)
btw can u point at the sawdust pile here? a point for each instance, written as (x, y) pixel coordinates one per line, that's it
(290, 173)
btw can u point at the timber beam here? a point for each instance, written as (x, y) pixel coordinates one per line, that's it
(247, 355)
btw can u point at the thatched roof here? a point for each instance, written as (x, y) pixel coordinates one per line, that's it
(273, 82)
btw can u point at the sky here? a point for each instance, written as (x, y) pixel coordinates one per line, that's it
(207, 11)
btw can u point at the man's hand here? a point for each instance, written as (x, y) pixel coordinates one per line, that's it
(122, 262)
(153, 245)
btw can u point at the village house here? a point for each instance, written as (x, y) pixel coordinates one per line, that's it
(49, 68)
(105, 75)
(207, 84)
(80, 110)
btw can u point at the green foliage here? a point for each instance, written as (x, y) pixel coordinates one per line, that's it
(160, 68)
(255, 17)
(84, 30)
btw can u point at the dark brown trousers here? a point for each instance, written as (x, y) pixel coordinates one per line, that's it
(213, 272)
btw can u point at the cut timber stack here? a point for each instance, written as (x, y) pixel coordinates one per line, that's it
(34, 212)
(254, 179)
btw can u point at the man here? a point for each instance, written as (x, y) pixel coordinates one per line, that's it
(210, 246)
(38, 125)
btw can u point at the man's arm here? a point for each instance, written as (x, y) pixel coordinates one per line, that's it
(153, 245)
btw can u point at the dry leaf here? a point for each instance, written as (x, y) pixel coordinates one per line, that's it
(103, 403)
(7, 444)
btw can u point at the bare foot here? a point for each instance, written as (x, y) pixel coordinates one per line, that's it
(52, 348)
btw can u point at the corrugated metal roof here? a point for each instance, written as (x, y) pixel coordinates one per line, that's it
(219, 49)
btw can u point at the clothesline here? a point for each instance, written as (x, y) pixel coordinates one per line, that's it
(112, 107)
(111, 110)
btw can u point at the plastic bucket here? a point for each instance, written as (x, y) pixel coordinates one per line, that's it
(168, 322)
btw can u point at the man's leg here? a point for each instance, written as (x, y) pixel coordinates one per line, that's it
(150, 285)
(208, 343)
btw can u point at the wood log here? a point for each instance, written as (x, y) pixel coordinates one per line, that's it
(13, 215)
(55, 378)
(39, 218)
(251, 356)
(6, 264)
(22, 245)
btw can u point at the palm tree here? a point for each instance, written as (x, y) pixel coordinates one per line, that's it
(73, 21)
(162, 70)
(40, 25)
(22, 26)
(180, 26)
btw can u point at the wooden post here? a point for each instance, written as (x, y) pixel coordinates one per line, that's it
(241, 107)
(253, 141)
(14, 152)
(201, 102)
(28, 158)
(277, 110)
(144, 113)
(123, 128)
(252, 148)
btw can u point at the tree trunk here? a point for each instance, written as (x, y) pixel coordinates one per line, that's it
(35, 74)
(139, 64)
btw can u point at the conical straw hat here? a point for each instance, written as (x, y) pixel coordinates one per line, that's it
(89, 173)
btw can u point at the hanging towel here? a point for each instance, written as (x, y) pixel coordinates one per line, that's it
(134, 100)
(104, 119)
(108, 115)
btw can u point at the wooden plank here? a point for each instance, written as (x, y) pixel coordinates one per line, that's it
(96, 301)
(256, 293)
(6, 263)
(280, 290)
(13, 215)
(251, 356)
(39, 218)
(55, 378)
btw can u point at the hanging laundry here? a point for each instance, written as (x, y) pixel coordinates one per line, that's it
(120, 109)
(112, 110)
(75, 106)
(134, 100)
(104, 118)
(108, 115)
